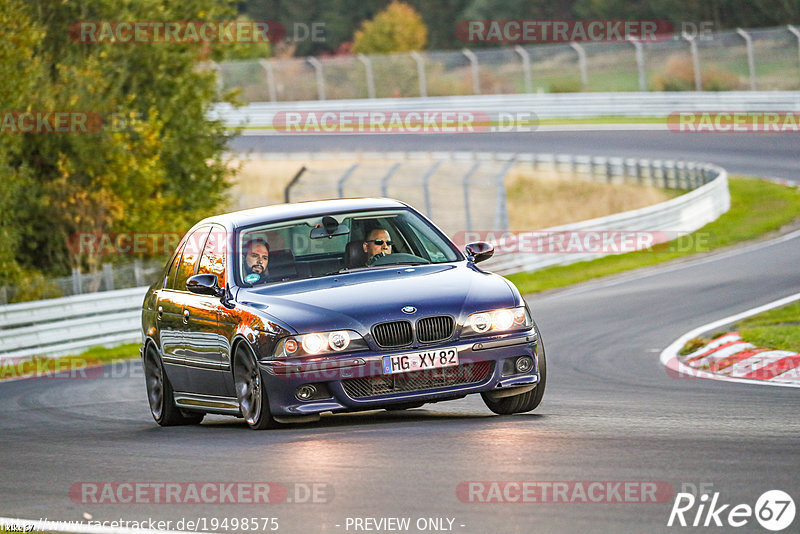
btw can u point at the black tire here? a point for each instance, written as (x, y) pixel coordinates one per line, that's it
(524, 402)
(160, 395)
(250, 390)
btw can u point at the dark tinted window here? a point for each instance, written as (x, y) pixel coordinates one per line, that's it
(190, 257)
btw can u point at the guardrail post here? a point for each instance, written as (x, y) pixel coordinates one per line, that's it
(581, 64)
(370, 78)
(267, 66)
(385, 180)
(108, 276)
(317, 64)
(465, 185)
(426, 180)
(292, 182)
(423, 82)
(345, 176)
(796, 33)
(3, 295)
(473, 61)
(640, 63)
(751, 62)
(77, 283)
(526, 67)
(698, 81)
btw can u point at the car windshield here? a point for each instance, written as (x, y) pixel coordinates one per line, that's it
(325, 245)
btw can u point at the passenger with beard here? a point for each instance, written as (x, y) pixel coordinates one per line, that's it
(256, 259)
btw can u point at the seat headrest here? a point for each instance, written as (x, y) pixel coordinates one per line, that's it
(281, 264)
(354, 255)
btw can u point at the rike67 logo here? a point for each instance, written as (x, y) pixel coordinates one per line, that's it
(774, 510)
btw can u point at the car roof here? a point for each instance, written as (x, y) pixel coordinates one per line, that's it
(278, 212)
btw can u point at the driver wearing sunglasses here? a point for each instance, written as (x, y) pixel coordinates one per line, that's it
(377, 244)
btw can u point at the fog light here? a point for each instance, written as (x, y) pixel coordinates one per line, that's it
(305, 392)
(524, 364)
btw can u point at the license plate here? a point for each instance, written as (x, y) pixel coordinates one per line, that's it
(418, 361)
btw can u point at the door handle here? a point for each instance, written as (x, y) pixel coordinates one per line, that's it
(160, 312)
(185, 316)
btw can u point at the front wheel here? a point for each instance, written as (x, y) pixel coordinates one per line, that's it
(250, 390)
(160, 395)
(524, 402)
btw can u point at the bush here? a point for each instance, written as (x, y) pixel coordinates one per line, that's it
(678, 75)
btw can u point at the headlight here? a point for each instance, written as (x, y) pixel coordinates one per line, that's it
(319, 343)
(495, 321)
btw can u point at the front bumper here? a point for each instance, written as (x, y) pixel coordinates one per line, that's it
(343, 381)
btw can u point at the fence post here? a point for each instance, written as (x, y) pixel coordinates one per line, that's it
(751, 62)
(292, 182)
(108, 276)
(388, 176)
(526, 67)
(138, 275)
(370, 78)
(317, 64)
(465, 185)
(273, 92)
(640, 63)
(345, 176)
(77, 285)
(423, 83)
(3, 295)
(218, 79)
(581, 63)
(698, 81)
(476, 80)
(501, 209)
(796, 33)
(426, 180)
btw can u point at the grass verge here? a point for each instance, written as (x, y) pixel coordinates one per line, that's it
(71, 365)
(757, 209)
(773, 329)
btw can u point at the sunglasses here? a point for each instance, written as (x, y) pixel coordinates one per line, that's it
(380, 242)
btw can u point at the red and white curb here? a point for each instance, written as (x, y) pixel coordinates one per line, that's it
(730, 359)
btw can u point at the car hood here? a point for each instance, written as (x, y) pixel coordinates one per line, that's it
(357, 300)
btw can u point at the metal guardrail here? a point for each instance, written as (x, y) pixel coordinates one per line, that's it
(69, 325)
(673, 218)
(560, 105)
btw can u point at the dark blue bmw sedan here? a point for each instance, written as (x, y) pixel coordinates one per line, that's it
(282, 313)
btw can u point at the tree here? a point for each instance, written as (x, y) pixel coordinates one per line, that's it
(398, 28)
(157, 163)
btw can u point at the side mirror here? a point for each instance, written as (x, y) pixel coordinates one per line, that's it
(205, 284)
(479, 251)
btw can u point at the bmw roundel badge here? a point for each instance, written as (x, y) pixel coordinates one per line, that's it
(409, 309)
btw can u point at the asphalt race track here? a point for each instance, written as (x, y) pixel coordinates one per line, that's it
(611, 412)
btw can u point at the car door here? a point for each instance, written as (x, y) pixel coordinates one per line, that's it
(170, 323)
(172, 308)
(206, 355)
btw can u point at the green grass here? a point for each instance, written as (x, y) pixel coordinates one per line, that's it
(38, 366)
(757, 208)
(774, 329)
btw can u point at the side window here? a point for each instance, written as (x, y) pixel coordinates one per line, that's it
(190, 257)
(213, 259)
(173, 265)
